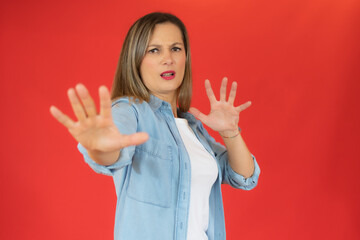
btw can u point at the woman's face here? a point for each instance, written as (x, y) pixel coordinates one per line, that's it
(163, 66)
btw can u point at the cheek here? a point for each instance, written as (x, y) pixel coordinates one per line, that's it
(149, 61)
(147, 72)
(183, 64)
(145, 66)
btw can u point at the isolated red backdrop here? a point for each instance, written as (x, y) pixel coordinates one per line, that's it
(298, 61)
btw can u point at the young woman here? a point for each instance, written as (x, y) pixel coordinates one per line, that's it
(166, 168)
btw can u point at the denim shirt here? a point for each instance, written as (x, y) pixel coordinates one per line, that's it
(152, 180)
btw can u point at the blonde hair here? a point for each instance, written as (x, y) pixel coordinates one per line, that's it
(127, 81)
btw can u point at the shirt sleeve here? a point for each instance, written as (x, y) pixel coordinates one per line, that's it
(125, 118)
(228, 175)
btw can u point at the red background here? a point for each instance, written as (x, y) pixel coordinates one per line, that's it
(298, 61)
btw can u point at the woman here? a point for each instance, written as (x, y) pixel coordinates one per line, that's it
(166, 168)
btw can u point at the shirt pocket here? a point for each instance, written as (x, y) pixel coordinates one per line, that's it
(150, 178)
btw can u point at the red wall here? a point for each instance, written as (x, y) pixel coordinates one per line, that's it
(298, 61)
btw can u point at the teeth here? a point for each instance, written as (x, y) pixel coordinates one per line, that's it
(167, 74)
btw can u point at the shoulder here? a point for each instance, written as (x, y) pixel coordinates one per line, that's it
(193, 122)
(133, 109)
(129, 103)
(196, 125)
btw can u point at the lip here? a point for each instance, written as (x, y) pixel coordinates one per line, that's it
(168, 77)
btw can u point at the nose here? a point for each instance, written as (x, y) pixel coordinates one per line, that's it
(167, 58)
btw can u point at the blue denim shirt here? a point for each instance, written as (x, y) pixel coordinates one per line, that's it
(152, 180)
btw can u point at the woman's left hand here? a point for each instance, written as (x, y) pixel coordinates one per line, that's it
(223, 116)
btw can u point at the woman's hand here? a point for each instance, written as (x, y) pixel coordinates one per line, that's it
(95, 131)
(223, 116)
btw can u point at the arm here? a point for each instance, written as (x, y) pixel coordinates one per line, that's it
(224, 118)
(240, 158)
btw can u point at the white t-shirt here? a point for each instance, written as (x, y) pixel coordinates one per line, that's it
(204, 172)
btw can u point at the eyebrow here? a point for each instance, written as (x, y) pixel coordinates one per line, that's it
(158, 45)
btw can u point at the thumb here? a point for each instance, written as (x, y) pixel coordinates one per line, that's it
(199, 115)
(133, 139)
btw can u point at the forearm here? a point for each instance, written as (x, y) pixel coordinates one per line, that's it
(104, 158)
(240, 158)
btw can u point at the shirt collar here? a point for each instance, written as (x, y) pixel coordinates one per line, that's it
(155, 103)
(188, 116)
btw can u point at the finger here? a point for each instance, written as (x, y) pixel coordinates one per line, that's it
(209, 92)
(223, 89)
(105, 102)
(232, 94)
(76, 105)
(199, 115)
(86, 100)
(134, 139)
(62, 118)
(244, 106)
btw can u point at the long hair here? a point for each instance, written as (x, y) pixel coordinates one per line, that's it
(127, 81)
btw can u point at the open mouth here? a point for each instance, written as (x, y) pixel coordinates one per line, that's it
(168, 75)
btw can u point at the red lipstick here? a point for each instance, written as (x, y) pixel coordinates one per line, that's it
(168, 75)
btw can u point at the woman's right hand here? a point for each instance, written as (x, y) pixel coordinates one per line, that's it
(96, 131)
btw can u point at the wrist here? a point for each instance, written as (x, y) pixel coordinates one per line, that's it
(104, 158)
(230, 133)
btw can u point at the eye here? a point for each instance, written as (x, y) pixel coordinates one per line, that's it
(153, 50)
(176, 49)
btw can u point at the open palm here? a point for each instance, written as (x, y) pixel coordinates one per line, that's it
(223, 116)
(95, 131)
